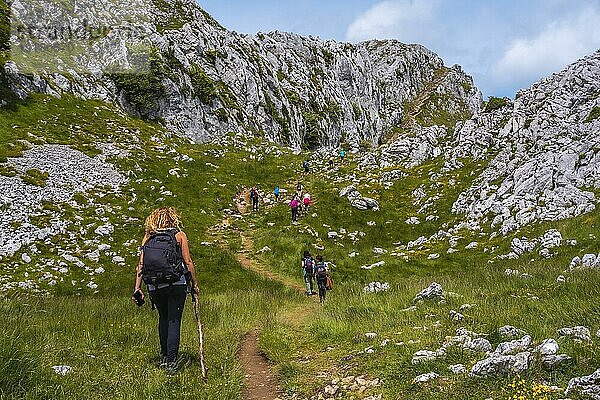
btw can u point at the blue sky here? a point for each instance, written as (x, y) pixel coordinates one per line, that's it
(504, 45)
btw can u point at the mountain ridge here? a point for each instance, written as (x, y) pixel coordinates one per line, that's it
(295, 90)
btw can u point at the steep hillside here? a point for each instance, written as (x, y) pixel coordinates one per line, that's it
(540, 152)
(205, 81)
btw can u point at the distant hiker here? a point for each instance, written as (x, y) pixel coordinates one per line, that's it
(165, 266)
(294, 204)
(276, 191)
(254, 198)
(306, 202)
(321, 276)
(306, 167)
(342, 155)
(330, 162)
(299, 189)
(308, 272)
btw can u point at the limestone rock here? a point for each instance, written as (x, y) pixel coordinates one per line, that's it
(433, 292)
(425, 377)
(580, 333)
(501, 365)
(585, 385)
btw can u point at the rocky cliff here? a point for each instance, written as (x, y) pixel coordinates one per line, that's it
(204, 81)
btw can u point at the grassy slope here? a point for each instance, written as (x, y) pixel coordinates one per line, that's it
(499, 299)
(112, 345)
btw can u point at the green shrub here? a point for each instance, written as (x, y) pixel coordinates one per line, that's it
(495, 103)
(141, 91)
(365, 146)
(312, 132)
(222, 114)
(293, 97)
(7, 170)
(594, 114)
(4, 26)
(204, 87)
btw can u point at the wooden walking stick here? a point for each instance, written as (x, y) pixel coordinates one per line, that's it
(200, 335)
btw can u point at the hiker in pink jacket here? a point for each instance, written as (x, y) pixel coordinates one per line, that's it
(294, 204)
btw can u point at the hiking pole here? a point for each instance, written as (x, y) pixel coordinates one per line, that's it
(200, 335)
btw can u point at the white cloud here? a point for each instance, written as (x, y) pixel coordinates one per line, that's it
(400, 19)
(560, 43)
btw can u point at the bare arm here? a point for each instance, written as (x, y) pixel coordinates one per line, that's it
(187, 259)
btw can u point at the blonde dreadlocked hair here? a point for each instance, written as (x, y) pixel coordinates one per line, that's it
(162, 218)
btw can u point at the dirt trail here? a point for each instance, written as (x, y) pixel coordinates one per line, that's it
(261, 383)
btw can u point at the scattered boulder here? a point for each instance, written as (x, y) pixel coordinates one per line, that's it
(379, 251)
(357, 200)
(457, 369)
(547, 347)
(425, 377)
(501, 365)
(62, 369)
(376, 287)
(585, 385)
(522, 246)
(456, 316)
(428, 355)
(554, 360)
(105, 230)
(580, 333)
(514, 346)
(432, 292)
(481, 345)
(508, 332)
(377, 264)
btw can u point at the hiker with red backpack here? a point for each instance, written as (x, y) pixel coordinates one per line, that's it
(166, 267)
(308, 272)
(306, 202)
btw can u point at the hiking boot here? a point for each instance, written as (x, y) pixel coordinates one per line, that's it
(171, 368)
(162, 364)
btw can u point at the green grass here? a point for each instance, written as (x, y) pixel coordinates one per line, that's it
(594, 114)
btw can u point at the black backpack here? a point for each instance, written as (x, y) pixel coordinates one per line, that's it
(308, 265)
(321, 271)
(163, 262)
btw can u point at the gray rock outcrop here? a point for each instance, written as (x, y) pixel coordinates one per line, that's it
(206, 81)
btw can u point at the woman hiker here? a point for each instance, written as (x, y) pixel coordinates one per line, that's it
(294, 204)
(321, 276)
(308, 272)
(166, 278)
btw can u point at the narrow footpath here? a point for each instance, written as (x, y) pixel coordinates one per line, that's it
(261, 381)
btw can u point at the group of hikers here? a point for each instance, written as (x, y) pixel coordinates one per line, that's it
(316, 269)
(300, 201)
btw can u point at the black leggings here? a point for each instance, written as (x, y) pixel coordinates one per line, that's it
(322, 283)
(169, 302)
